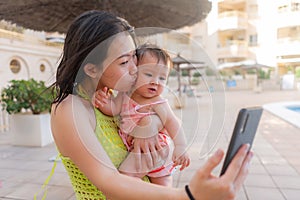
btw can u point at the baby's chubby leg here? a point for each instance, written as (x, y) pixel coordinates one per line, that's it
(164, 180)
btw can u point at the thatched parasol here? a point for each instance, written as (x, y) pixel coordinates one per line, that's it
(178, 61)
(56, 15)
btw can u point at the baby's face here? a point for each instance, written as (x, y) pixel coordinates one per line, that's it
(152, 76)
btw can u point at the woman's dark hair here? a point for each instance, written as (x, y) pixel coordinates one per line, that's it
(82, 39)
(155, 51)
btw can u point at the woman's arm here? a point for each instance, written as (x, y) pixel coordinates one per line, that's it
(94, 163)
(75, 138)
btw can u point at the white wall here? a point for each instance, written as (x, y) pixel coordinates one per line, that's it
(31, 52)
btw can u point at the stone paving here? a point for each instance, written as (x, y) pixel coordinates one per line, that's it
(274, 172)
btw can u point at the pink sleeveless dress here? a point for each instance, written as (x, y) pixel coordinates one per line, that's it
(130, 117)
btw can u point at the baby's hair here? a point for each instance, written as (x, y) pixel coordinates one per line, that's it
(155, 51)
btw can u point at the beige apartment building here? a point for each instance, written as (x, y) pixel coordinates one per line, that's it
(241, 37)
(244, 36)
(241, 32)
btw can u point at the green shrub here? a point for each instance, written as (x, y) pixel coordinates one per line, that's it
(184, 72)
(197, 74)
(297, 72)
(26, 96)
(209, 72)
(263, 74)
(251, 71)
(173, 72)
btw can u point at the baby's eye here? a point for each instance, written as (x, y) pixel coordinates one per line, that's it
(162, 78)
(148, 74)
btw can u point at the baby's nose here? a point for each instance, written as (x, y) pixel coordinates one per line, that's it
(154, 82)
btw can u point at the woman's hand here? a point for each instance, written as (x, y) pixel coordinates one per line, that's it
(204, 185)
(147, 148)
(148, 152)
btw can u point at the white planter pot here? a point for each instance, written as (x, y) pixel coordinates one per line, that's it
(31, 130)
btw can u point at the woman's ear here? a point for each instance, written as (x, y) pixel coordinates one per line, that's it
(91, 70)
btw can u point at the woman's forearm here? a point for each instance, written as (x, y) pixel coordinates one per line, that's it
(127, 189)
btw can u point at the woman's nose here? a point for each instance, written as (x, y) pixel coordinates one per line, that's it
(132, 68)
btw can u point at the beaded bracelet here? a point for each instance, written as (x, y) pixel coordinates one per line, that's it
(187, 189)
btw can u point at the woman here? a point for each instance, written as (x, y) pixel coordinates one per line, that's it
(99, 52)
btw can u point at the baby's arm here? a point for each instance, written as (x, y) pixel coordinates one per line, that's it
(106, 103)
(175, 130)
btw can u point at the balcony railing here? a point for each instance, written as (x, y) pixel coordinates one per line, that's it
(288, 46)
(238, 14)
(232, 20)
(288, 19)
(233, 48)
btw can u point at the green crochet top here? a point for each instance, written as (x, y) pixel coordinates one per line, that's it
(107, 134)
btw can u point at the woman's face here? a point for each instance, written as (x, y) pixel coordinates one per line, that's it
(119, 68)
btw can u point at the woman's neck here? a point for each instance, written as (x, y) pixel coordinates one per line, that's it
(88, 87)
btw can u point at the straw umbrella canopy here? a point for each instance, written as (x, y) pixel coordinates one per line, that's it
(56, 15)
(178, 61)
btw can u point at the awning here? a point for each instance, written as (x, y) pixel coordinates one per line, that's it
(246, 64)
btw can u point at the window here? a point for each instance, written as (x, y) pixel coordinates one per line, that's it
(42, 67)
(295, 6)
(15, 66)
(253, 40)
(282, 8)
(289, 33)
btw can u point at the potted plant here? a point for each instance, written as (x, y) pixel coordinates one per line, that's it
(28, 102)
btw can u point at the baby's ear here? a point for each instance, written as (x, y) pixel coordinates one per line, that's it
(91, 70)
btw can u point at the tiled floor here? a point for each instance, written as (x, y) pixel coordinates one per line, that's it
(274, 172)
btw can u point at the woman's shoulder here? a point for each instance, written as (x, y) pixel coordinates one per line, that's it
(62, 108)
(68, 119)
(71, 107)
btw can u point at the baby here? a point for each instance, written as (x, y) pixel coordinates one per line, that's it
(139, 104)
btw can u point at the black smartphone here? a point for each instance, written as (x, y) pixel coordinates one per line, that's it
(243, 133)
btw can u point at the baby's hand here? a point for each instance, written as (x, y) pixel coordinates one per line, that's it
(100, 97)
(180, 157)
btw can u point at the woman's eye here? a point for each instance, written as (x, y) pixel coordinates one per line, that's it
(124, 63)
(148, 74)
